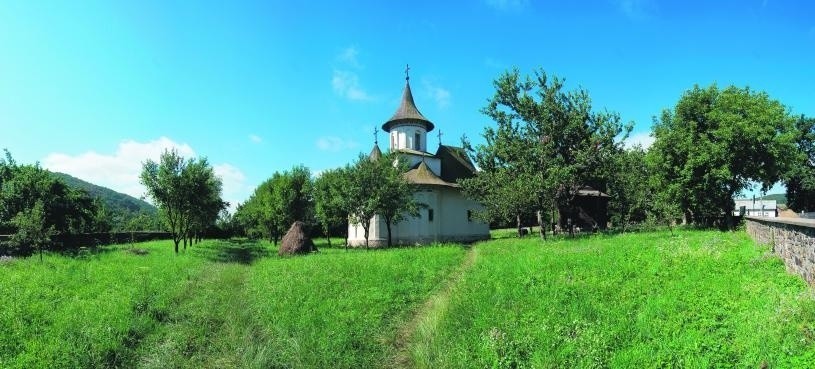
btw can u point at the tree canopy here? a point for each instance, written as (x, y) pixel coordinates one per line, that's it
(187, 192)
(717, 142)
(546, 145)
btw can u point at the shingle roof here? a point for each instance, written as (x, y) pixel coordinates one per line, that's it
(407, 112)
(422, 175)
(455, 163)
(375, 154)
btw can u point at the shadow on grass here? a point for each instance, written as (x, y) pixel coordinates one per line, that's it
(232, 251)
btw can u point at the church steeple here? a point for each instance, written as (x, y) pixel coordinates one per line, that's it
(407, 113)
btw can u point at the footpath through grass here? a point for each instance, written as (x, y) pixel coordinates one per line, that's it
(220, 305)
(699, 299)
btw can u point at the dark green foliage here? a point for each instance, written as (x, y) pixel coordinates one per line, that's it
(277, 203)
(716, 143)
(546, 145)
(331, 206)
(35, 205)
(187, 193)
(800, 179)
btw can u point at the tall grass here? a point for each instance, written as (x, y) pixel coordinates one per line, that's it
(700, 299)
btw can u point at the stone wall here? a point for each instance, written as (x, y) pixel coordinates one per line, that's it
(792, 239)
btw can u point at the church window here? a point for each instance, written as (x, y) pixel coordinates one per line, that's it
(429, 215)
(393, 140)
(469, 215)
(418, 141)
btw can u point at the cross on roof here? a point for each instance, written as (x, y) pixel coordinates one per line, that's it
(376, 136)
(439, 134)
(407, 72)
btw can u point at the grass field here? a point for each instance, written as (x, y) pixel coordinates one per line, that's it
(697, 299)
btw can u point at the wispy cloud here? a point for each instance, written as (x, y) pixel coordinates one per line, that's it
(346, 84)
(643, 139)
(637, 9)
(120, 170)
(508, 5)
(255, 138)
(438, 93)
(334, 144)
(349, 57)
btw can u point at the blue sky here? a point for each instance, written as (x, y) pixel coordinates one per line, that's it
(94, 88)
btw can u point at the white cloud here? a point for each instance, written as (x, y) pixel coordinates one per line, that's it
(349, 56)
(120, 170)
(255, 138)
(438, 93)
(643, 139)
(346, 84)
(333, 143)
(508, 5)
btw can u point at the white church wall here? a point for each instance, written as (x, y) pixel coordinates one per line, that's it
(403, 136)
(455, 224)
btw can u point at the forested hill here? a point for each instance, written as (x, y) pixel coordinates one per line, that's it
(114, 201)
(780, 198)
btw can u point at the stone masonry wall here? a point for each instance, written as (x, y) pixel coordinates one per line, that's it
(790, 238)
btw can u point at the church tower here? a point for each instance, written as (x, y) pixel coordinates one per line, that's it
(407, 129)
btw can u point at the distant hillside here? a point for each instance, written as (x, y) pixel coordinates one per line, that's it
(780, 198)
(115, 201)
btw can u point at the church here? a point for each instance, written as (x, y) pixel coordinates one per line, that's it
(448, 215)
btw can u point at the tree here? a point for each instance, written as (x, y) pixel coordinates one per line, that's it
(395, 194)
(549, 137)
(330, 201)
(35, 205)
(716, 143)
(32, 229)
(183, 190)
(800, 179)
(277, 203)
(631, 196)
(362, 196)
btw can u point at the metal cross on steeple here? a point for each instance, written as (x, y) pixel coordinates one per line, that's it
(376, 136)
(407, 72)
(439, 134)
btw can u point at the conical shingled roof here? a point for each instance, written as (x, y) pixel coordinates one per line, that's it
(407, 112)
(422, 175)
(375, 154)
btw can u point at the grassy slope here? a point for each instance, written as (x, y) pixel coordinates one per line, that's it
(701, 299)
(213, 307)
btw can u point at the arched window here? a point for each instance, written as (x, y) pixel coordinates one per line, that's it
(393, 140)
(417, 140)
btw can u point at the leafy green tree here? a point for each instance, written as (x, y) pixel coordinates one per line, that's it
(182, 189)
(278, 202)
(362, 195)
(630, 193)
(800, 179)
(62, 209)
(330, 204)
(32, 229)
(549, 137)
(395, 194)
(716, 143)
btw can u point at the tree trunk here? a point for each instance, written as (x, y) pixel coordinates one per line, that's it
(328, 236)
(366, 235)
(541, 226)
(518, 223)
(388, 225)
(176, 241)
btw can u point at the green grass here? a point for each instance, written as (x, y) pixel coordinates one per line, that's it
(698, 299)
(219, 305)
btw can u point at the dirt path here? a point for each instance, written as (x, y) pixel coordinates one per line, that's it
(414, 336)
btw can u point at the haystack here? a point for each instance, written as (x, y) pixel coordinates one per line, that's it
(296, 241)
